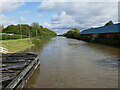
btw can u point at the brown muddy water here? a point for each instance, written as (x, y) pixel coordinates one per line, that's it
(70, 63)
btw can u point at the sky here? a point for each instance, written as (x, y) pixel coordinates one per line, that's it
(59, 16)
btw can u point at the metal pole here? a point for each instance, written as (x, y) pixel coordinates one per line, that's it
(36, 32)
(21, 31)
(29, 37)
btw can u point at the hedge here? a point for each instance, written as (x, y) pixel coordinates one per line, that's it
(7, 37)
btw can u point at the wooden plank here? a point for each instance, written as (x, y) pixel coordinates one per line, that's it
(26, 78)
(14, 83)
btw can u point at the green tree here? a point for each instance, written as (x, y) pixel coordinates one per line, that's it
(35, 30)
(109, 23)
(73, 33)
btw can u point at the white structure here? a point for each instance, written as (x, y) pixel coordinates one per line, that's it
(3, 50)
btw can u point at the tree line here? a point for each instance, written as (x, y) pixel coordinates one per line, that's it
(33, 30)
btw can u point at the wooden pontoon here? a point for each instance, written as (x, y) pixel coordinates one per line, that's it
(16, 69)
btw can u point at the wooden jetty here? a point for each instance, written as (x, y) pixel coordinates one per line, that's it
(16, 69)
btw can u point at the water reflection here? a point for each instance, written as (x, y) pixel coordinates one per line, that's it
(70, 63)
(108, 50)
(37, 48)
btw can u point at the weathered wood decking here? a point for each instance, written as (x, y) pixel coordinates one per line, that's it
(17, 68)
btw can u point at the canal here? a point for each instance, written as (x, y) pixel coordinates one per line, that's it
(70, 63)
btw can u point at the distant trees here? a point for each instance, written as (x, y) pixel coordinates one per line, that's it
(73, 33)
(35, 30)
(96, 38)
(109, 23)
(35, 25)
(17, 29)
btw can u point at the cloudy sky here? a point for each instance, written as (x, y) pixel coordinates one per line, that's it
(59, 16)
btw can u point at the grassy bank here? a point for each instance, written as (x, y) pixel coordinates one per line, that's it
(16, 45)
(36, 32)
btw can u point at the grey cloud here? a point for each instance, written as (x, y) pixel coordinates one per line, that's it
(6, 20)
(9, 6)
(82, 15)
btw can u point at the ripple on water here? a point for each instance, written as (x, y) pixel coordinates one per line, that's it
(110, 63)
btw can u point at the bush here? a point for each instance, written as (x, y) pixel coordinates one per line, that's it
(35, 41)
(108, 42)
(7, 37)
(86, 38)
(39, 40)
(73, 33)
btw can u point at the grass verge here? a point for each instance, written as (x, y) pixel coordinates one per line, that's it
(16, 45)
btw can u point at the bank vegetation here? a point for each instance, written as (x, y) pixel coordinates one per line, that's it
(17, 37)
(94, 38)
